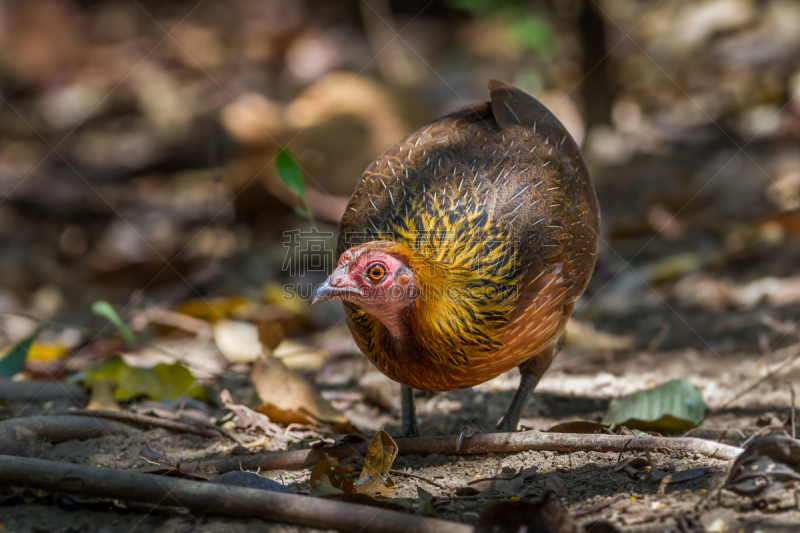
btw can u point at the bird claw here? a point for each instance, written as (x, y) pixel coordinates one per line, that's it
(467, 431)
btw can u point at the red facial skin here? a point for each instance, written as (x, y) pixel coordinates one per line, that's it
(357, 278)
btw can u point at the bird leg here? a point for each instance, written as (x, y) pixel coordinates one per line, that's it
(527, 382)
(530, 372)
(409, 412)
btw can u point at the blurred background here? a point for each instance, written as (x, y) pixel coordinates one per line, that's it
(138, 143)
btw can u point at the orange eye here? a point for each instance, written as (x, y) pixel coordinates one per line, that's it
(376, 271)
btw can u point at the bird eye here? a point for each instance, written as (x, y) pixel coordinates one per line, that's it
(376, 271)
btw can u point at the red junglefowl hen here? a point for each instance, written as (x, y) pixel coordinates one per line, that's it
(464, 248)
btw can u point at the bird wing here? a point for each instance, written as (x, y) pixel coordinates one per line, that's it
(542, 312)
(409, 167)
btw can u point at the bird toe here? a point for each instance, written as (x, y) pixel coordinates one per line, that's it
(469, 429)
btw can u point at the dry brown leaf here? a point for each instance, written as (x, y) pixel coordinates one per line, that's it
(632, 462)
(381, 390)
(297, 356)
(237, 341)
(380, 456)
(270, 333)
(246, 418)
(330, 472)
(424, 505)
(784, 222)
(769, 469)
(583, 336)
(323, 490)
(288, 398)
(217, 308)
(381, 490)
(251, 117)
(555, 484)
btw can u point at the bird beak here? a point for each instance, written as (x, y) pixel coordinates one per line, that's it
(325, 291)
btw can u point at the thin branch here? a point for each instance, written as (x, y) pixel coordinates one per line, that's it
(762, 431)
(419, 477)
(146, 420)
(595, 507)
(41, 391)
(794, 428)
(21, 435)
(202, 497)
(769, 375)
(481, 444)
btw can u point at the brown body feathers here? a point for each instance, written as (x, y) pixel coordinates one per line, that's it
(495, 210)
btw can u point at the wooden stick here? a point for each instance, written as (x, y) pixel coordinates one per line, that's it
(791, 391)
(41, 391)
(205, 498)
(20, 436)
(429, 481)
(480, 444)
(599, 506)
(145, 420)
(794, 350)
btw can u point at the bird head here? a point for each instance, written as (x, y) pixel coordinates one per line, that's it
(377, 276)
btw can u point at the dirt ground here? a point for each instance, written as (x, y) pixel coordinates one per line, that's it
(688, 323)
(582, 392)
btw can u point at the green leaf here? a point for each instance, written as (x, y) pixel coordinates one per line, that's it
(161, 382)
(289, 172)
(483, 7)
(14, 361)
(299, 211)
(105, 310)
(673, 406)
(533, 32)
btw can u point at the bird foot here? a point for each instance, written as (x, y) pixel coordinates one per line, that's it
(469, 429)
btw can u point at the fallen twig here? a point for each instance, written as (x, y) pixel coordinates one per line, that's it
(762, 431)
(147, 420)
(791, 391)
(595, 507)
(231, 435)
(480, 444)
(421, 478)
(650, 516)
(20, 435)
(212, 498)
(793, 350)
(716, 434)
(41, 391)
